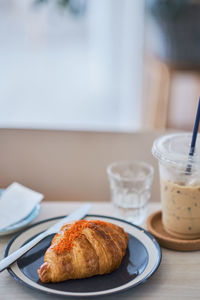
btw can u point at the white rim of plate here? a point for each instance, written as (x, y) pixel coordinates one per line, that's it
(149, 242)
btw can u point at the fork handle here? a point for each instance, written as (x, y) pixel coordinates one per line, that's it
(7, 261)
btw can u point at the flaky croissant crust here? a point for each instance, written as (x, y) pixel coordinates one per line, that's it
(84, 249)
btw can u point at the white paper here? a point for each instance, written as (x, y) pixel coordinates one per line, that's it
(16, 203)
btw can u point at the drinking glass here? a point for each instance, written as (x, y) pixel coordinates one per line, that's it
(130, 186)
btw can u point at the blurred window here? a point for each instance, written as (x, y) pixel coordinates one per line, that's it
(71, 64)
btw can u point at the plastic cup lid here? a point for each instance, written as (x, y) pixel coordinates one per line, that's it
(174, 148)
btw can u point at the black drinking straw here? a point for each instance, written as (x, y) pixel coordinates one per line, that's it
(194, 137)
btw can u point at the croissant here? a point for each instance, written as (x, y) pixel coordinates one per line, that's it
(83, 249)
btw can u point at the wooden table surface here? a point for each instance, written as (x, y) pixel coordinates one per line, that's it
(178, 276)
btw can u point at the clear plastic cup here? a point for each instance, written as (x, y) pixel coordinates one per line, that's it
(130, 184)
(179, 184)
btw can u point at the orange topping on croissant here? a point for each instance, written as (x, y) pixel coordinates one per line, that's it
(66, 243)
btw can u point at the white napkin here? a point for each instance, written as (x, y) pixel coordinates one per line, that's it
(16, 203)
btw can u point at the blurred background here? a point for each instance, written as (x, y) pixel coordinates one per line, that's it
(111, 65)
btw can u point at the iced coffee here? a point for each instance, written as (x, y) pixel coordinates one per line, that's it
(180, 190)
(181, 209)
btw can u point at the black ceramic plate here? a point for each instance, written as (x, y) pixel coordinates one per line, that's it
(142, 258)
